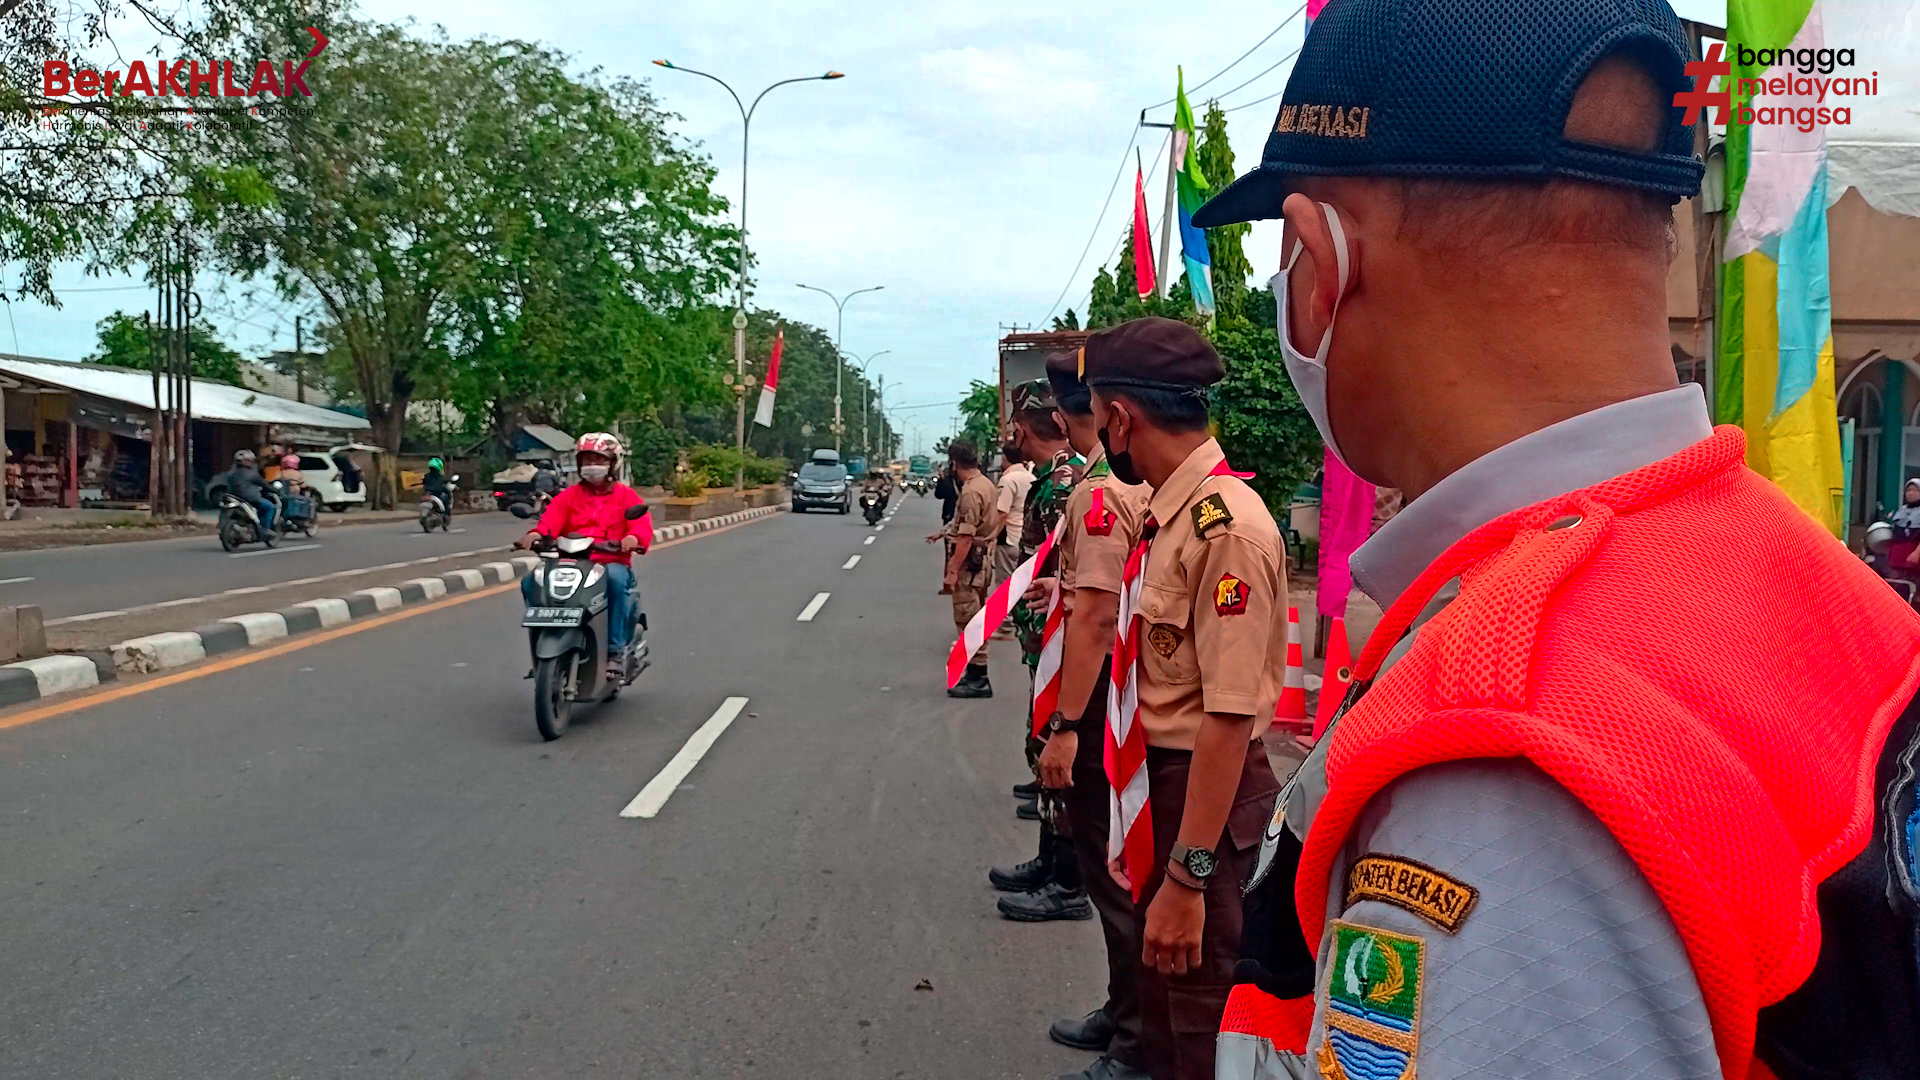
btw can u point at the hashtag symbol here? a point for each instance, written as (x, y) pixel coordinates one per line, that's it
(1699, 97)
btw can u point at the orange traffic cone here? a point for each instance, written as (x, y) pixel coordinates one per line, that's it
(1338, 676)
(1293, 688)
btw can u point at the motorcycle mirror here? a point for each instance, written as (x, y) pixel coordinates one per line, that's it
(635, 513)
(520, 510)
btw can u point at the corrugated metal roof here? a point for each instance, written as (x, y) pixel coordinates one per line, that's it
(211, 400)
(553, 437)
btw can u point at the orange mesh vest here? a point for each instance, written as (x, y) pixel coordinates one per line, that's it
(1699, 663)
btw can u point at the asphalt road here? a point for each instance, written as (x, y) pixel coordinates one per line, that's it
(107, 577)
(358, 858)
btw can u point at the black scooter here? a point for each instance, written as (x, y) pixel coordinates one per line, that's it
(240, 522)
(567, 629)
(870, 505)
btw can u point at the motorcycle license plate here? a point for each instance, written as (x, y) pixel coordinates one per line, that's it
(554, 616)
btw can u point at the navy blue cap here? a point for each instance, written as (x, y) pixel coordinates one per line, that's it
(1463, 89)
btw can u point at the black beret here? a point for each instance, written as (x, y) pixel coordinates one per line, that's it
(1151, 353)
(1063, 372)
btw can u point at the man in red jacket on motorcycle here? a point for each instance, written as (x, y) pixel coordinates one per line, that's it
(597, 507)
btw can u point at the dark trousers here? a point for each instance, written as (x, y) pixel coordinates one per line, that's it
(1088, 808)
(1180, 1014)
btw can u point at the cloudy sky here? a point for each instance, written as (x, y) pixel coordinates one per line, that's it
(962, 163)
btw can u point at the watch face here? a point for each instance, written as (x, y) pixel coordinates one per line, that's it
(1200, 862)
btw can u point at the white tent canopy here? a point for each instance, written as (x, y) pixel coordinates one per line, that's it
(216, 401)
(1879, 152)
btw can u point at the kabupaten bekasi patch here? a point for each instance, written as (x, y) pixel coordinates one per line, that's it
(1374, 985)
(1210, 513)
(1438, 898)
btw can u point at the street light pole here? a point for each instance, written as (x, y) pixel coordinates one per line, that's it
(740, 302)
(866, 406)
(839, 328)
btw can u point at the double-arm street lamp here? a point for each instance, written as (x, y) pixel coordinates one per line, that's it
(740, 305)
(866, 406)
(839, 327)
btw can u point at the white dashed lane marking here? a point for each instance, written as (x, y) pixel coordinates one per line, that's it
(813, 607)
(661, 787)
(851, 562)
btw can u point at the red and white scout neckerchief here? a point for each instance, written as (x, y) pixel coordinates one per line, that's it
(1046, 674)
(1130, 831)
(989, 617)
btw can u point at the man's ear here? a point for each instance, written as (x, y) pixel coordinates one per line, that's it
(1314, 286)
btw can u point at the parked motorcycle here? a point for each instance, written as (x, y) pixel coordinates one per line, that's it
(240, 522)
(566, 630)
(435, 511)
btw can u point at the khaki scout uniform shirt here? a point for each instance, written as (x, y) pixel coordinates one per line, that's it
(1213, 605)
(1093, 554)
(971, 513)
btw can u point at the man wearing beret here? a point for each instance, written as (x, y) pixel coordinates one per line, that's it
(1587, 810)
(1102, 527)
(1198, 657)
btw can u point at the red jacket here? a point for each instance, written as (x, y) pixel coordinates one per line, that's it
(601, 515)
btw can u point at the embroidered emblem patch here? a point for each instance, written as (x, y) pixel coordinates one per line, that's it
(1098, 520)
(1373, 1004)
(1163, 638)
(1230, 596)
(1210, 512)
(1441, 900)
(1328, 121)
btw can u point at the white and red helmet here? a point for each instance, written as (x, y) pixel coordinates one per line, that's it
(598, 442)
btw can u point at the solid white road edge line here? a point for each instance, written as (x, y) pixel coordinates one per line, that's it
(661, 787)
(852, 561)
(14, 580)
(813, 607)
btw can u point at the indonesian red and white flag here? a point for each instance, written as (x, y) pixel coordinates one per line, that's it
(763, 413)
(1046, 672)
(1130, 827)
(999, 603)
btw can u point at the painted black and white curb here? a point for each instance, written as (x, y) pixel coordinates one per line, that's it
(30, 680)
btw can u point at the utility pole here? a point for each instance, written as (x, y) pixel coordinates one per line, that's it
(1170, 222)
(300, 365)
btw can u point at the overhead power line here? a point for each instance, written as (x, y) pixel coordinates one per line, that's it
(1257, 78)
(1236, 61)
(1108, 201)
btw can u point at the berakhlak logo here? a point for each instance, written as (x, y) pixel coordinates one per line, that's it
(182, 78)
(1702, 95)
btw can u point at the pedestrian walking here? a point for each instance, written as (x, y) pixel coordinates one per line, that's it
(1623, 785)
(1102, 525)
(1199, 653)
(967, 575)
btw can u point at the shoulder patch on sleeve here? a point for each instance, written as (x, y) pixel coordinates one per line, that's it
(1438, 898)
(1230, 596)
(1209, 513)
(1098, 520)
(1374, 987)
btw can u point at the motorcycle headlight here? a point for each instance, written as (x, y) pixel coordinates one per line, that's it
(564, 581)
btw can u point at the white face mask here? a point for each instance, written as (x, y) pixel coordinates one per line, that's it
(593, 474)
(1309, 374)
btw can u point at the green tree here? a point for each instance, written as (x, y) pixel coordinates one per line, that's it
(125, 341)
(1114, 300)
(803, 408)
(980, 417)
(1258, 417)
(1231, 270)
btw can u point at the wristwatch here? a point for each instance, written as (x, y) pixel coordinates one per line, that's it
(1197, 864)
(1058, 722)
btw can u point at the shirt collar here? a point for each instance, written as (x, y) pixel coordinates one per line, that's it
(1575, 453)
(1169, 497)
(1098, 455)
